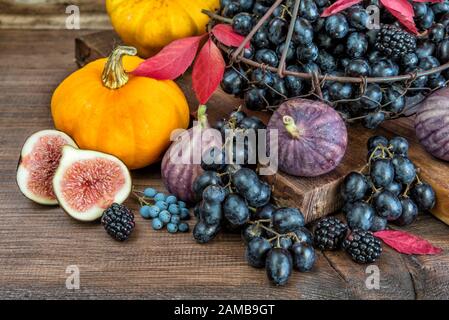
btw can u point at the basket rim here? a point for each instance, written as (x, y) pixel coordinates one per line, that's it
(325, 77)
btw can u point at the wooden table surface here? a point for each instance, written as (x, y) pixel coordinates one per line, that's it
(38, 243)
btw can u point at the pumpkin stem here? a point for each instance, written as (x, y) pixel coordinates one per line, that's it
(291, 127)
(202, 116)
(114, 75)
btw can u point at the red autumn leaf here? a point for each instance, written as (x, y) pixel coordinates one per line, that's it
(207, 71)
(403, 11)
(338, 6)
(407, 243)
(226, 35)
(172, 61)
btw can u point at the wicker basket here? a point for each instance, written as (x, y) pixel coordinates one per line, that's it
(318, 80)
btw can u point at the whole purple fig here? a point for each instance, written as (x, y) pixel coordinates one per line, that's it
(432, 124)
(312, 137)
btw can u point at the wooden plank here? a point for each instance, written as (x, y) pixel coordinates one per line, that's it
(38, 243)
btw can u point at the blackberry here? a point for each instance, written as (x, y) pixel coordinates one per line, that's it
(330, 233)
(394, 42)
(362, 246)
(118, 221)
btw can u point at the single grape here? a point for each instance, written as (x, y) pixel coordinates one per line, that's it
(157, 224)
(424, 196)
(382, 172)
(303, 235)
(175, 219)
(355, 187)
(162, 205)
(265, 212)
(285, 242)
(181, 204)
(263, 198)
(375, 141)
(287, 220)
(242, 23)
(360, 216)
(185, 214)
(337, 26)
(374, 120)
(395, 188)
(183, 227)
(172, 227)
(409, 212)
(399, 146)
(149, 192)
(303, 256)
(154, 211)
(279, 266)
(404, 170)
(214, 194)
(247, 183)
(165, 216)
(211, 213)
(277, 30)
(145, 212)
(171, 199)
(204, 180)
(213, 159)
(302, 32)
(174, 209)
(379, 223)
(236, 210)
(159, 197)
(251, 231)
(252, 122)
(204, 233)
(256, 252)
(237, 116)
(387, 205)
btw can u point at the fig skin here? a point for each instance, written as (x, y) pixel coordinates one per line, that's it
(178, 178)
(313, 142)
(432, 124)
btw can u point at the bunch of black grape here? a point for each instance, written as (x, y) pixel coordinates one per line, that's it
(343, 44)
(233, 198)
(389, 191)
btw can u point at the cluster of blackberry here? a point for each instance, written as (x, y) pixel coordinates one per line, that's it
(339, 45)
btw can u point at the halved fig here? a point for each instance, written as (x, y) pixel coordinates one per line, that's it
(38, 162)
(88, 182)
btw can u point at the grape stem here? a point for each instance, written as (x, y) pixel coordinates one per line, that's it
(277, 235)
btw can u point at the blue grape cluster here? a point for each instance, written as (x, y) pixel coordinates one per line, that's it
(388, 190)
(164, 210)
(233, 198)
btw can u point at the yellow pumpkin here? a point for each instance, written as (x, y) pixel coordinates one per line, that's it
(103, 108)
(149, 25)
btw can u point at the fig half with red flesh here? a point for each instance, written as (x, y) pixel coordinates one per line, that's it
(87, 182)
(312, 137)
(38, 162)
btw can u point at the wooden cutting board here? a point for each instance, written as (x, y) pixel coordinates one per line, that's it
(317, 196)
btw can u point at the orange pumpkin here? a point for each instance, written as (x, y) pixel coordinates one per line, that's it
(103, 108)
(149, 25)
